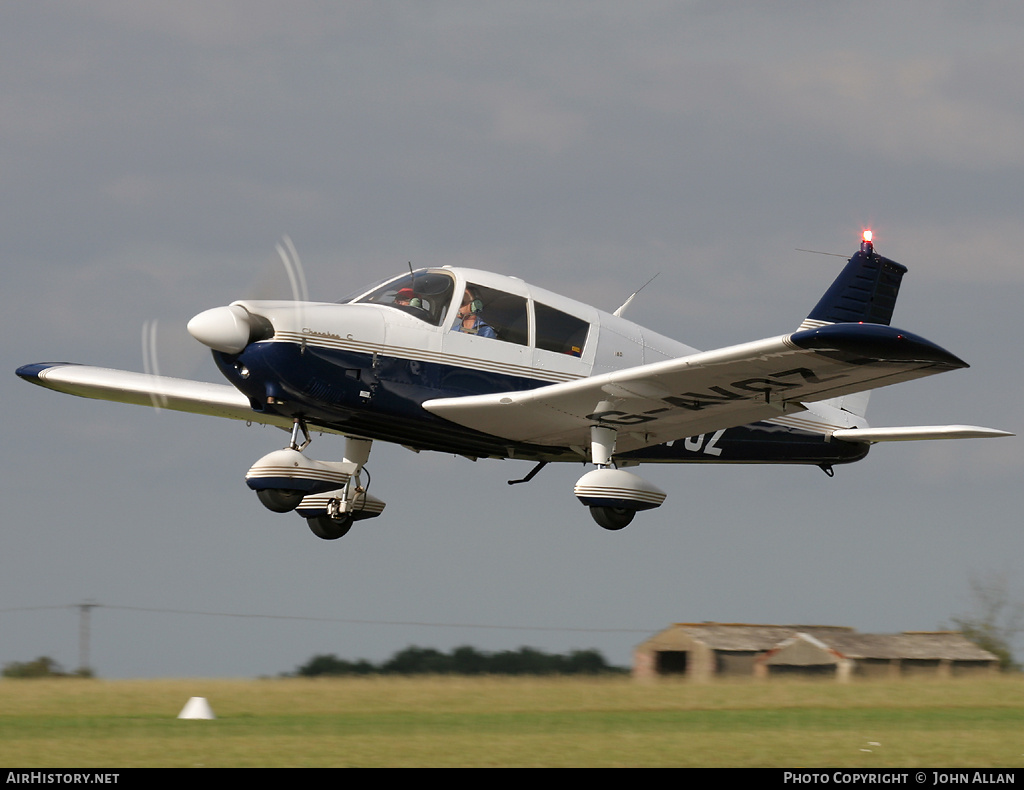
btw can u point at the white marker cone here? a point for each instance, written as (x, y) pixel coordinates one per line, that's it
(197, 708)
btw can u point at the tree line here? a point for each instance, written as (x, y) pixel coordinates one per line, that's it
(42, 667)
(464, 660)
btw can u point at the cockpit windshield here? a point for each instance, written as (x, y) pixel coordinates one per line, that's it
(425, 295)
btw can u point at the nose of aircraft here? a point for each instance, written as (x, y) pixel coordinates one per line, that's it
(226, 329)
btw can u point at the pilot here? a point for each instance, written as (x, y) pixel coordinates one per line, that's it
(469, 320)
(406, 297)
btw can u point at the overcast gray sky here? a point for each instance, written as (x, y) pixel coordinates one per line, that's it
(152, 155)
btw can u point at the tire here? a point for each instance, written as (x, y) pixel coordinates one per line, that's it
(612, 518)
(280, 500)
(327, 528)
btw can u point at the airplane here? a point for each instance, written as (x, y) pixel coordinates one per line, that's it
(483, 365)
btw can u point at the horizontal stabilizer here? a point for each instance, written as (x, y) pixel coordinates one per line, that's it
(913, 433)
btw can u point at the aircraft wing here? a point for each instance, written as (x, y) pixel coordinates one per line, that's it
(162, 392)
(916, 433)
(707, 391)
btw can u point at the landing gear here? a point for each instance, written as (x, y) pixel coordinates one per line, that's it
(328, 528)
(613, 495)
(328, 494)
(612, 518)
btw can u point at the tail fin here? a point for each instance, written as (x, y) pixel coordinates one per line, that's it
(865, 291)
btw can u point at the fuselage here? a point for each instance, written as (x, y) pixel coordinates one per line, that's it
(365, 366)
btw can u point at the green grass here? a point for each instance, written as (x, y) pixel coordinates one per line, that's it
(447, 721)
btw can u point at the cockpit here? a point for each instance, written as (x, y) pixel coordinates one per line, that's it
(482, 310)
(424, 295)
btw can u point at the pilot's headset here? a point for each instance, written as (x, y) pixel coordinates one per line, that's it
(475, 305)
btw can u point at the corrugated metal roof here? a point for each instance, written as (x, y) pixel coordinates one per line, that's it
(950, 645)
(743, 637)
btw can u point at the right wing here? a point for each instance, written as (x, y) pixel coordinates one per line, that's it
(707, 391)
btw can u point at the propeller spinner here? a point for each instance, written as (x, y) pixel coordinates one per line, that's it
(229, 329)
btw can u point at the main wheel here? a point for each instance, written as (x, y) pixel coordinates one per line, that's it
(280, 500)
(328, 528)
(612, 518)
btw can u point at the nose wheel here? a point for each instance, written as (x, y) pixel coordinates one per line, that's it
(326, 527)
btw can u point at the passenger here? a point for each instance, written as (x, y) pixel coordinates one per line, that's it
(469, 320)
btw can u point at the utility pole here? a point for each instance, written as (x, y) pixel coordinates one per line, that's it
(83, 637)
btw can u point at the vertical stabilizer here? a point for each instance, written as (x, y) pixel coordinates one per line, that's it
(865, 291)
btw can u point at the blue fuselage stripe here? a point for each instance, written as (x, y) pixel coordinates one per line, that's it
(381, 397)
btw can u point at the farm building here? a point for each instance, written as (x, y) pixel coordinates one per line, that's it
(701, 651)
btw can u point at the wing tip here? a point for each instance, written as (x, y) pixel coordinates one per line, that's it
(35, 372)
(875, 341)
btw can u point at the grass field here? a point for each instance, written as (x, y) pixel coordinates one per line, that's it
(447, 721)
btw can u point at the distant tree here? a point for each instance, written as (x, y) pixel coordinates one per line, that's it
(418, 661)
(464, 660)
(588, 662)
(332, 665)
(996, 619)
(468, 660)
(42, 667)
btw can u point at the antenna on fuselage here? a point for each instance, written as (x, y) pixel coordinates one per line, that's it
(632, 296)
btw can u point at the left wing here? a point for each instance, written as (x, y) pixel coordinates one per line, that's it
(707, 391)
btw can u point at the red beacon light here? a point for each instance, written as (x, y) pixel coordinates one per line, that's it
(865, 244)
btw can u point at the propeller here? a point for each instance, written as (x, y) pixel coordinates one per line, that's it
(292, 265)
(231, 328)
(149, 360)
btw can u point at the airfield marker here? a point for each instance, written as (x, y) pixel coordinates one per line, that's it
(197, 708)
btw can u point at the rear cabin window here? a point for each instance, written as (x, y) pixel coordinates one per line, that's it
(560, 332)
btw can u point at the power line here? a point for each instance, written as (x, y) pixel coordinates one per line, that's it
(83, 609)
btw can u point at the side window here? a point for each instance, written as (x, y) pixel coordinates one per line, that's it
(488, 312)
(560, 332)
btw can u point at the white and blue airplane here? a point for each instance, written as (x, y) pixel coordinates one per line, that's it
(482, 365)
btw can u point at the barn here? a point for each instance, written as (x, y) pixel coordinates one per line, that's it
(702, 651)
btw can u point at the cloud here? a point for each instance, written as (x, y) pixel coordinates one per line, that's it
(902, 110)
(974, 249)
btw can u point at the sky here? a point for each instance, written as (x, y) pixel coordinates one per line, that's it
(153, 154)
